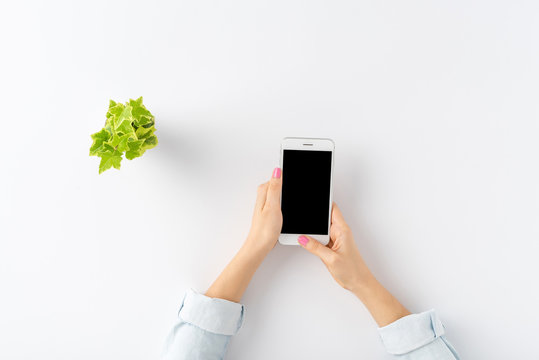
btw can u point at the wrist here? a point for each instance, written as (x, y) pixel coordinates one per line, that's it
(382, 305)
(365, 285)
(255, 248)
(258, 245)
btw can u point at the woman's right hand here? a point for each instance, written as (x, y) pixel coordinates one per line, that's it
(343, 260)
(341, 255)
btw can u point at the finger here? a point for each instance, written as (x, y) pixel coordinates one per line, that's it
(336, 215)
(330, 243)
(323, 252)
(274, 190)
(335, 231)
(261, 196)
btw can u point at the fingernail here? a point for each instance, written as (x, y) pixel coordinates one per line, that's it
(276, 173)
(303, 240)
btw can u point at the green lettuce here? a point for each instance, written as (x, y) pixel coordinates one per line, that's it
(129, 129)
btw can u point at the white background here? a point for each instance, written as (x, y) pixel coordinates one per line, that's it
(433, 107)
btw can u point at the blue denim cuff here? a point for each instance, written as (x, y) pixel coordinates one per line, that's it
(411, 332)
(218, 316)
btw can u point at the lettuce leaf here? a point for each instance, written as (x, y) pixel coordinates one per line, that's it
(129, 129)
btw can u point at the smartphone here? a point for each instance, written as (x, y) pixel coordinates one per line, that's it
(307, 191)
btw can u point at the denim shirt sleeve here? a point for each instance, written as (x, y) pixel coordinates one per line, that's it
(203, 328)
(417, 337)
(205, 325)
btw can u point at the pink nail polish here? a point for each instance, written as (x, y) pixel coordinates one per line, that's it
(303, 240)
(276, 173)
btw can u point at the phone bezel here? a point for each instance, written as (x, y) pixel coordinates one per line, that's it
(318, 144)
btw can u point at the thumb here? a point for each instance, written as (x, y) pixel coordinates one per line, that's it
(315, 247)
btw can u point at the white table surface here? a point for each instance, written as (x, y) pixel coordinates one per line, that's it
(433, 107)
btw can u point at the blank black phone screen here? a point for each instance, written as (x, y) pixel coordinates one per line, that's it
(306, 191)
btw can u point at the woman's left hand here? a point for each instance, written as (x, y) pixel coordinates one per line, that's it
(267, 217)
(265, 229)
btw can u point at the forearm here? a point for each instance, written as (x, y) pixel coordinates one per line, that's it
(206, 322)
(412, 336)
(233, 281)
(382, 305)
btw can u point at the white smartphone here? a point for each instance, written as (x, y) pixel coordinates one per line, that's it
(307, 192)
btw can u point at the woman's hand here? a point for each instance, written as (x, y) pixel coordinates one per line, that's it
(343, 260)
(265, 229)
(341, 256)
(267, 217)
